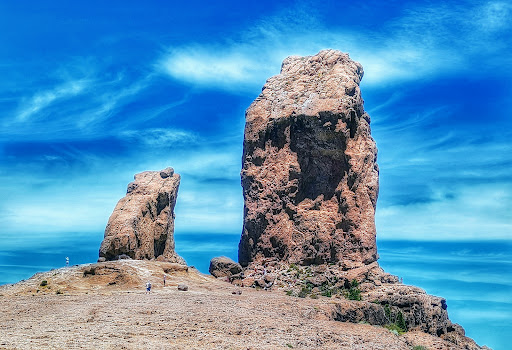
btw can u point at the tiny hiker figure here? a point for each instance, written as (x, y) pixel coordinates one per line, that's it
(164, 279)
(67, 260)
(148, 287)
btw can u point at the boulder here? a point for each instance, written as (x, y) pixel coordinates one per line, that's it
(224, 267)
(142, 224)
(310, 176)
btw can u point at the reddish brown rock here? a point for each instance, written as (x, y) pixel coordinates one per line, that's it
(224, 267)
(310, 177)
(142, 224)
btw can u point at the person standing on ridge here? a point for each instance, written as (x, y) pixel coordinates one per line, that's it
(148, 287)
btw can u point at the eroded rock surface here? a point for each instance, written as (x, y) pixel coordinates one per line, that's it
(310, 185)
(365, 294)
(142, 224)
(310, 177)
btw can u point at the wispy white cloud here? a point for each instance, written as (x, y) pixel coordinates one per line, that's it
(80, 104)
(159, 137)
(108, 98)
(84, 192)
(229, 69)
(42, 99)
(479, 212)
(424, 42)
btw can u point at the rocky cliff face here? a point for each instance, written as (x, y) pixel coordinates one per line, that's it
(142, 224)
(310, 177)
(310, 185)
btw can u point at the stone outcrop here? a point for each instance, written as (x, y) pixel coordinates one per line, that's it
(364, 294)
(310, 185)
(142, 224)
(224, 267)
(310, 177)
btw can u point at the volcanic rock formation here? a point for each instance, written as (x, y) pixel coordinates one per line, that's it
(142, 224)
(310, 177)
(310, 185)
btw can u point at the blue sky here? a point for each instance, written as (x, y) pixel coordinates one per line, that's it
(91, 94)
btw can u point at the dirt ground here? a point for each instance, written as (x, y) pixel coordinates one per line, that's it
(104, 306)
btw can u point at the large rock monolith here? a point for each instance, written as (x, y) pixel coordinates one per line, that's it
(310, 176)
(142, 224)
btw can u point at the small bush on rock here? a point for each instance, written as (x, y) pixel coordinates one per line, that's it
(354, 293)
(393, 327)
(304, 292)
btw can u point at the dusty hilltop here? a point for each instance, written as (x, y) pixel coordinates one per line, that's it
(104, 306)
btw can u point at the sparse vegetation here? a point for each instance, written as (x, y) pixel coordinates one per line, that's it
(44, 283)
(58, 292)
(396, 320)
(304, 291)
(354, 293)
(419, 347)
(394, 328)
(400, 321)
(329, 288)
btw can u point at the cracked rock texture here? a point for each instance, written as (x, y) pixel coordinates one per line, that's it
(309, 176)
(142, 224)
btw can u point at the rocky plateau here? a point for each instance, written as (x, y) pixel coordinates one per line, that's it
(104, 306)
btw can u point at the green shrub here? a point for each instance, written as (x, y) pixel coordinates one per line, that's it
(327, 292)
(354, 293)
(400, 321)
(387, 311)
(396, 320)
(419, 347)
(44, 283)
(393, 327)
(304, 292)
